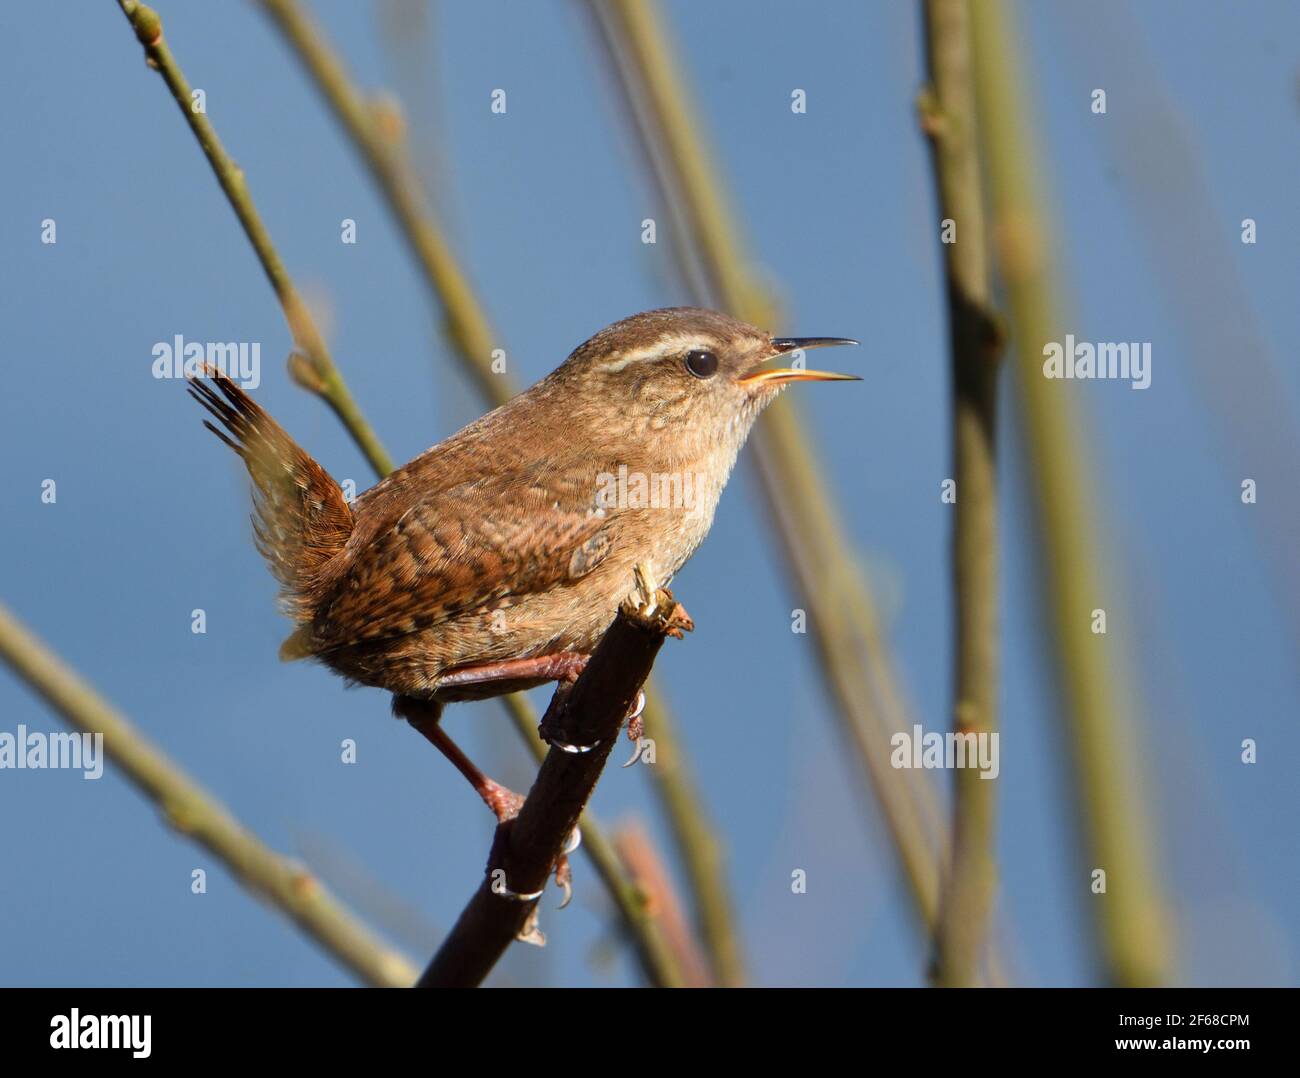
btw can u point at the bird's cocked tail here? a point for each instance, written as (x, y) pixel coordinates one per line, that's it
(300, 517)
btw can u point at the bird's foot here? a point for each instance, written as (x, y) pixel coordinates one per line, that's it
(424, 716)
(679, 622)
(563, 872)
(503, 801)
(647, 596)
(568, 666)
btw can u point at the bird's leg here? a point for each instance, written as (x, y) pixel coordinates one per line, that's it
(424, 715)
(562, 666)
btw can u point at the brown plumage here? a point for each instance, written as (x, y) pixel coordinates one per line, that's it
(486, 563)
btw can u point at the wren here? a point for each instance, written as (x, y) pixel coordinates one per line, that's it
(494, 561)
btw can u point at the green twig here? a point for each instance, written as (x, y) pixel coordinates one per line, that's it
(948, 118)
(1130, 915)
(199, 816)
(317, 372)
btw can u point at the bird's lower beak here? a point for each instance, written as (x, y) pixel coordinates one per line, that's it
(792, 374)
(784, 345)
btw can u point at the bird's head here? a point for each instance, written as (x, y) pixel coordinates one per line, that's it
(682, 382)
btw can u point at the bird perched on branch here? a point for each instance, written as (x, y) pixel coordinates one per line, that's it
(494, 561)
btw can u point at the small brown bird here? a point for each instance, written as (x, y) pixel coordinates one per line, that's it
(495, 560)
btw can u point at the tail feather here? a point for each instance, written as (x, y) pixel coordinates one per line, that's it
(301, 520)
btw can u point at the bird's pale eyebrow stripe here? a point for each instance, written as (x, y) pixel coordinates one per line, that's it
(675, 344)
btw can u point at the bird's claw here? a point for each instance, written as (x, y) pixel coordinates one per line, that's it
(564, 878)
(530, 931)
(563, 871)
(564, 746)
(500, 889)
(636, 727)
(635, 724)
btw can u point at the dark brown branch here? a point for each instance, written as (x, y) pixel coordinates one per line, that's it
(527, 849)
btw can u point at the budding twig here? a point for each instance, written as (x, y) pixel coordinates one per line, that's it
(323, 377)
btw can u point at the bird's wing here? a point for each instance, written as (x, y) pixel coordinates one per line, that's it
(461, 550)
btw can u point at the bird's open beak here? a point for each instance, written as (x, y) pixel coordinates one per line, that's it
(784, 345)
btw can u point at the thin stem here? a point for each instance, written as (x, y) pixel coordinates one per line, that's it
(948, 117)
(637, 853)
(318, 373)
(474, 339)
(195, 813)
(1131, 917)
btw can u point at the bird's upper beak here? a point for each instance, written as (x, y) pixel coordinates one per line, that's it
(784, 345)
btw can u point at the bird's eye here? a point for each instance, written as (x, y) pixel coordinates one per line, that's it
(702, 364)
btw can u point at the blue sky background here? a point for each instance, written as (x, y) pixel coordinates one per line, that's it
(544, 205)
